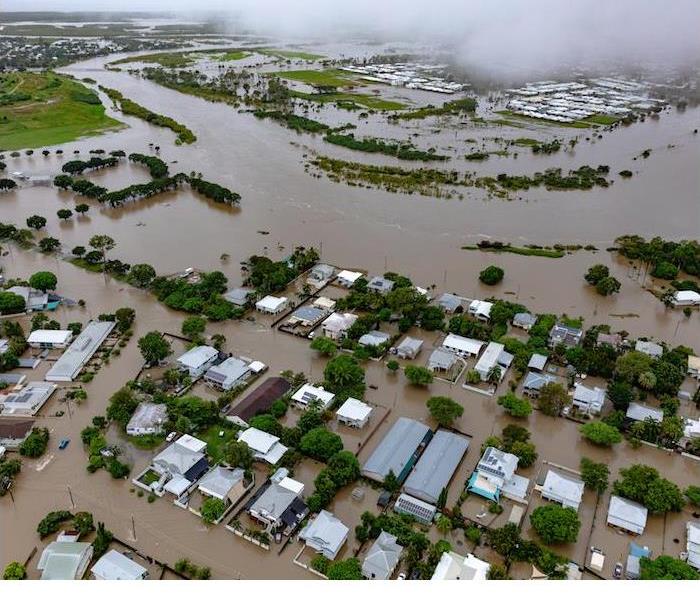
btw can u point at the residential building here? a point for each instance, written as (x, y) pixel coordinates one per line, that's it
(462, 346)
(436, 466)
(354, 413)
(198, 360)
(524, 320)
(265, 447)
(227, 375)
(35, 300)
(374, 339)
(686, 298)
(450, 303)
(27, 401)
(588, 400)
(259, 400)
(419, 510)
(271, 305)
(14, 431)
(278, 504)
(310, 395)
(409, 348)
(398, 450)
(348, 278)
(612, 339)
(224, 484)
(649, 348)
(493, 356)
(694, 366)
(626, 514)
(148, 419)
(453, 566)
(240, 296)
(49, 338)
(480, 309)
(325, 304)
(72, 361)
(566, 490)
(693, 543)
(642, 412)
(326, 534)
(493, 472)
(305, 316)
(382, 558)
(65, 559)
(441, 360)
(180, 464)
(336, 325)
(537, 362)
(633, 564)
(321, 274)
(565, 335)
(534, 382)
(381, 285)
(114, 566)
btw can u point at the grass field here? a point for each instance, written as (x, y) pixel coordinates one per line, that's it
(353, 100)
(583, 124)
(328, 77)
(290, 54)
(52, 110)
(521, 250)
(233, 55)
(172, 60)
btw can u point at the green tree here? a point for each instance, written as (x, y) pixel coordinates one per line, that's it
(35, 444)
(43, 280)
(102, 244)
(49, 244)
(212, 509)
(594, 475)
(692, 494)
(643, 484)
(552, 399)
(600, 433)
(666, 567)
(555, 524)
(596, 273)
(324, 346)
(321, 444)
(82, 208)
(515, 406)
(36, 222)
(444, 524)
(154, 347)
(491, 275)
(391, 483)
(64, 213)
(444, 410)
(141, 275)
(14, 570)
(193, 327)
(344, 569)
(343, 374)
(497, 572)
(607, 286)
(419, 376)
(238, 454)
(10, 303)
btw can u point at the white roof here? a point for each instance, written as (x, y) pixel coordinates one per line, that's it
(49, 336)
(650, 348)
(177, 485)
(591, 397)
(480, 307)
(271, 303)
(257, 440)
(693, 545)
(462, 344)
(687, 296)
(339, 321)
(63, 559)
(537, 361)
(115, 566)
(641, 412)
(692, 428)
(694, 363)
(191, 443)
(80, 351)
(257, 366)
(627, 514)
(354, 410)
(489, 358)
(566, 490)
(197, 356)
(326, 534)
(292, 485)
(350, 276)
(453, 566)
(308, 394)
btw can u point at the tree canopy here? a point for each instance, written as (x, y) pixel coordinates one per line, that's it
(444, 410)
(556, 524)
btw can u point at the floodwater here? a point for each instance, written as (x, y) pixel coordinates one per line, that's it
(355, 228)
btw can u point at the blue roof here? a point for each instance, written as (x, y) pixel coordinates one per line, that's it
(475, 489)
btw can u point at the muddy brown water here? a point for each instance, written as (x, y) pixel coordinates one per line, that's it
(356, 228)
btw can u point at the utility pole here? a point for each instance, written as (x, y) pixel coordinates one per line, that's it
(70, 494)
(133, 527)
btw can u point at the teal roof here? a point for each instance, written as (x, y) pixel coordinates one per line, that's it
(475, 489)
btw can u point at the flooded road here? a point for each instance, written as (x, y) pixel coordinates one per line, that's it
(366, 229)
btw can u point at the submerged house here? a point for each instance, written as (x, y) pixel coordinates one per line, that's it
(453, 566)
(65, 559)
(311, 396)
(336, 325)
(240, 296)
(271, 305)
(382, 558)
(259, 400)
(626, 514)
(265, 447)
(228, 374)
(326, 534)
(381, 285)
(462, 346)
(562, 489)
(196, 361)
(566, 335)
(589, 401)
(278, 504)
(354, 413)
(35, 300)
(180, 465)
(493, 472)
(409, 348)
(115, 566)
(148, 419)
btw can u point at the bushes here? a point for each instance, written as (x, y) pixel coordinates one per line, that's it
(321, 444)
(342, 469)
(491, 275)
(515, 406)
(52, 522)
(599, 276)
(35, 444)
(555, 524)
(419, 376)
(188, 568)
(212, 510)
(601, 434)
(444, 410)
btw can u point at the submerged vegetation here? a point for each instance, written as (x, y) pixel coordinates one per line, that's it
(453, 107)
(403, 150)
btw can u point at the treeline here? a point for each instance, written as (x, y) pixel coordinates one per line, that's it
(666, 257)
(213, 191)
(454, 107)
(583, 178)
(295, 122)
(83, 187)
(268, 276)
(156, 167)
(77, 167)
(139, 191)
(405, 151)
(129, 107)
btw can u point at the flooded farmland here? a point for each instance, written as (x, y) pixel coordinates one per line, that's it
(282, 207)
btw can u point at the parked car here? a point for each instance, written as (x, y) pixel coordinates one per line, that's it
(171, 436)
(617, 571)
(63, 444)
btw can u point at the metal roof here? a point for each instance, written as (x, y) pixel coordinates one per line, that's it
(80, 351)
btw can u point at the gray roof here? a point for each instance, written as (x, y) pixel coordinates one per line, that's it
(382, 557)
(563, 334)
(238, 296)
(380, 284)
(409, 345)
(274, 501)
(535, 381)
(219, 481)
(441, 359)
(79, 352)
(641, 412)
(565, 489)
(449, 302)
(627, 514)
(396, 449)
(308, 313)
(322, 271)
(650, 348)
(148, 414)
(115, 566)
(497, 463)
(436, 466)
(537, 361)
(325, 533)
(374, 338)
(231, 370)
(524, 320)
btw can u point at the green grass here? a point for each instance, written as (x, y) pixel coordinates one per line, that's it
(602, 119)
(290, 54)
(146, 442)
(328, 77)
(216, 444)
(352, 100)
(234, 55)
(149, 477)
(521, 250)
(583, 124)
(60, 110)
(174, 60)
(526, 142)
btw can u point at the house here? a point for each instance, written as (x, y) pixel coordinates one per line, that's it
(450, 303)
(305, 316)
(148, 419)
(326, 534)
(198, 360)
(480, 309)
(691, 429)
(336, 325)
(562, 489)
(642, 412)
(494, 470)
(612, 339)
(494, 356)
(180, 464)
(4, 345)
(348, 278)
(35, 300)
(566, 335)
(271, 305)
(649, 348)
(49, 338)
(534, 382)
(374, 339)
(632, 565)
(65, 559)
(259, 400)
(453, 566)
(27, 401)
(311, 396)
(71, 362)
(320, 274)
(409, 348)
(398, 450)
(114, 566)
(686, 298)
(441, 360)
(381, 285)
(278, 504)
(524, 320)
(354, 413)
(537, 362)
(588, 400)
(14, 431)
(423, 512)
(325, 304)
(436, 466)
(694, 366)
(462, 346)
(693, 544)
(225, 484)
(240, 296)
(227, 375)
(265, 447)
(382, 558)
(626, 514)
